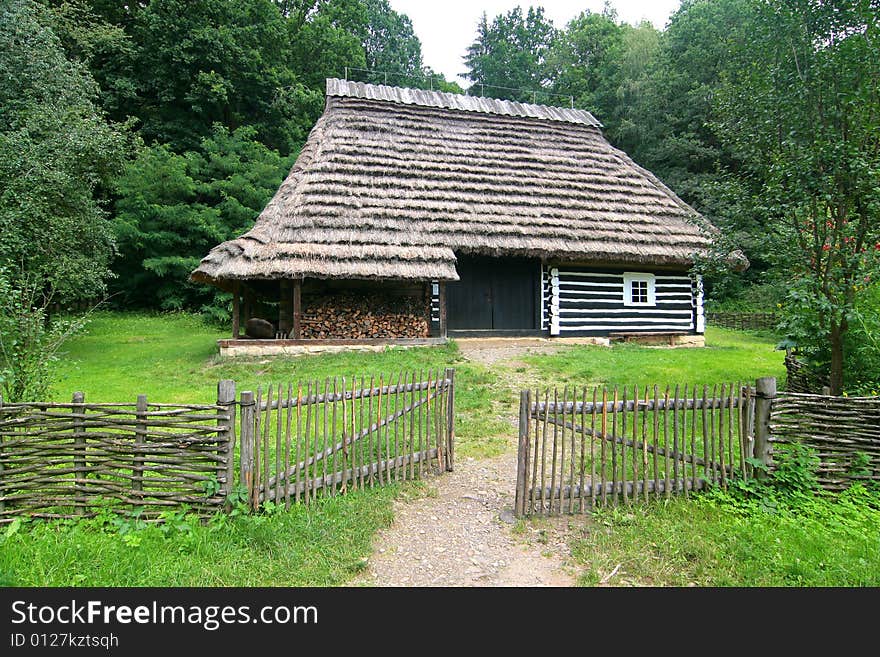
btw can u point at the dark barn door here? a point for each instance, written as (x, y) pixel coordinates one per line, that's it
(494, 294)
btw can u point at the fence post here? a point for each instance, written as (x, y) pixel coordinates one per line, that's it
(765, 393)
(2, 496)
(226, 429)
(140, 434)
(79, 459)
(246, 449)
(522, 455)
(450, 421)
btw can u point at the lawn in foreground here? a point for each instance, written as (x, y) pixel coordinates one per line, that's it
(172, 358)
(718, 540)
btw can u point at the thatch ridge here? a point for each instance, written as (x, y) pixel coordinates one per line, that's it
(387, 189)
(445, 100)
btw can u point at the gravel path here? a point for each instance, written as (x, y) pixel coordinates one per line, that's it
(461, 531)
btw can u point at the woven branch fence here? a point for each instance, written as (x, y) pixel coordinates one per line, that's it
(62, 460)
(843, 431)
(799, 377)
(344, 434)
(607, 447)
(67, 460)
(743, 321)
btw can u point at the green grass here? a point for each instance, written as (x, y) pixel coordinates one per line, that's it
(728, 356)
(717, 540)
(322, 545)
(173, 358)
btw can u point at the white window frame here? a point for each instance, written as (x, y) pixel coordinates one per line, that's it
(650, 279)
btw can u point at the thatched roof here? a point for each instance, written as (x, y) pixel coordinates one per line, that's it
(391, 181)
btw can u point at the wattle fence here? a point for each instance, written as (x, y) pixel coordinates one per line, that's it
(844, 433)
(743, 321)
(294, 444)
(62, 460)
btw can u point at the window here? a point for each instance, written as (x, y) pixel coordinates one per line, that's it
(638, 289)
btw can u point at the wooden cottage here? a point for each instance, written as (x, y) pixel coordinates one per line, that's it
(414, 215)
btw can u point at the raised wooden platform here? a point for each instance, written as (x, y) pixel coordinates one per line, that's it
(664, 338)
(270, 347)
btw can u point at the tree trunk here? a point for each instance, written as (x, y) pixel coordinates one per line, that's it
(835, 376)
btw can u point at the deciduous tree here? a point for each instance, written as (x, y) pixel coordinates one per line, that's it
(801, 108)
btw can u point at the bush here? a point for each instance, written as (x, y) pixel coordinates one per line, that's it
(861, 343)
(29, 342)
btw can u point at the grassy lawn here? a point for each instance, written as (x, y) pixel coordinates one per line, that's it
(720, 541)
(172, 358)
(728, 356)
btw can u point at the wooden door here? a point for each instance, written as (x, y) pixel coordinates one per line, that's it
(494, 294)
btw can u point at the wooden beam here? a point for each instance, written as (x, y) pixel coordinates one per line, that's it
(297, 310)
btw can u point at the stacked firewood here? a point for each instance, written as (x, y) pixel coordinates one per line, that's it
(350, 316)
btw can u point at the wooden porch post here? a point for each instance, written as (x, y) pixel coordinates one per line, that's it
(296, 333)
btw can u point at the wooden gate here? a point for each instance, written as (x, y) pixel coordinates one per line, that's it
(626, 445)
(339, 435)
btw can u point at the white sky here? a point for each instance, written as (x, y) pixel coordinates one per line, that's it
(447, 27)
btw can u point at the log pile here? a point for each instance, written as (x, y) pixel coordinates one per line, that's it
(351, 316)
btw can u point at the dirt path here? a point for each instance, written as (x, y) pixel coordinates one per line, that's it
(462, 532)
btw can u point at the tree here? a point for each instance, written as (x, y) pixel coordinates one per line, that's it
(606, 67)
(325, 37)
(57, 154)
(392, 50)
(674, 115)
(509, 57)
(173, 208)
(801, 109)
(93, 33)
(201, 62)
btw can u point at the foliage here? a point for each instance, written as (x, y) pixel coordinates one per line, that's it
(509, 57)
(606, 66)
(392, 50)
(861, 344)
(29, 343)
(800, 108)
(203, 62)
(92, 33)
(172, 209)
(57, 154)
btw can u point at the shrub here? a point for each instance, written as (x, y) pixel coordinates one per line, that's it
(29, 342)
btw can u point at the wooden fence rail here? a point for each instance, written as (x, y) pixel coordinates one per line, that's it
(344, 434)
(622, 445)
(297, 442)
